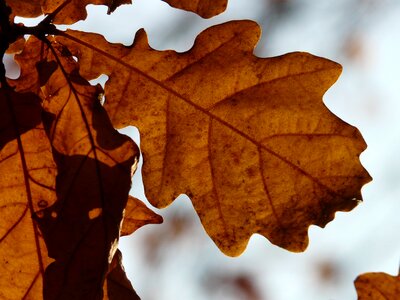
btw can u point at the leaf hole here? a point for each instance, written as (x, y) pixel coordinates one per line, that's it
(94, 213)
(40, 214)
(358, 200)
(101, 98)
(43, 203)
(102, 79)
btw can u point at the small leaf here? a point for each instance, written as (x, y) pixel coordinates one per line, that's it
(73, 11)
(247, 139)
(137, 215)
(204, 8)
(377, 286)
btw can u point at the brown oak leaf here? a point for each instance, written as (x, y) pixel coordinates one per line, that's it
(247, 138)
(94, 163)
(72, 11)
(204, 8)
(377, 286)
(27, 187)
(137, 215)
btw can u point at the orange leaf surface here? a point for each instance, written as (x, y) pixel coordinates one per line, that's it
(377, 286)
(137, 215)
(204, 8)
(247, 138)
(27, 187)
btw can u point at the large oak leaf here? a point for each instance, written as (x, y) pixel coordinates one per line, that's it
(377, 286)
(247, 138)
(27, 187)
(204, 8)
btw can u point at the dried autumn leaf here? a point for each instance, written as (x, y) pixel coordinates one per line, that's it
(204, 8)
(74, 10)
(247, 138)
(81, 229)
(27, 187)
(35, 69)
(377, 286)
(137, 215)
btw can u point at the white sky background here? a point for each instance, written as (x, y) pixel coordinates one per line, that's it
(366, 95)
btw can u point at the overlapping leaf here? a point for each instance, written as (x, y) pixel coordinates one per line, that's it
(248, 139)
(378, 286)
(27, 187)
(94, 164)
(137, 215)
(29, 80)
(204, 8)
(117, 286)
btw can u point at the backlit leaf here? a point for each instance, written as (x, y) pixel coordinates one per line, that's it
(27, 187)
(137, 215)
(377, 286)
(248, 139)
(204, 8)
(95, 164)
(74, 10)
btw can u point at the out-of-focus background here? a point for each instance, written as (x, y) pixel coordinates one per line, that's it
(177, 260)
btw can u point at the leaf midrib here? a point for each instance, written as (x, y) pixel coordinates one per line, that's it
(206, 111)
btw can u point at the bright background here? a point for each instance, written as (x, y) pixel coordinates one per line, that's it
(177, 260)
